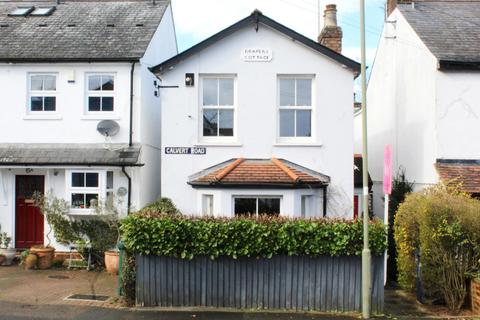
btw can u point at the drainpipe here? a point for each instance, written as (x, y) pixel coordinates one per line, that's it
(129, 194)
(131, 104)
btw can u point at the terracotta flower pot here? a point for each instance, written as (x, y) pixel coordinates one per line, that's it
(31, 261)
(475, 295)
(45, 257)
(9, 255)
(112, 261)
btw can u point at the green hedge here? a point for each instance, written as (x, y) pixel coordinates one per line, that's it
(187, 237)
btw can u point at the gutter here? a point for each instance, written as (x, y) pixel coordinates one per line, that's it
(52, 164)
(61, 60)
(129, 198)
(130, 139)
(458, 65)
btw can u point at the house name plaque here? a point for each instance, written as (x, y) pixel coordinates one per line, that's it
(257, 55)
(185, 150)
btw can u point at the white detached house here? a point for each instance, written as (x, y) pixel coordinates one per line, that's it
(258, 119)
(80, 112)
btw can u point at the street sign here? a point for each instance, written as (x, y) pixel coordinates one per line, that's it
(186, 150)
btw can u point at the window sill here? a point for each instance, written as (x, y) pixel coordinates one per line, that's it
(100, 117)
(297, 144)
(81, 212)
(43, 117)
(217, 144)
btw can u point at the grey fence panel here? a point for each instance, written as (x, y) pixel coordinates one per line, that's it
(283, 282)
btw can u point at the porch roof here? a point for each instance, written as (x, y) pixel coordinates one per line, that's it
(463, 172)
(259, 173)
(63, 154)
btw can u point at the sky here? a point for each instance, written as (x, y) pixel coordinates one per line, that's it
(197, 20)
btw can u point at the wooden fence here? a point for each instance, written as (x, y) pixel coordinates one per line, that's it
(294, 283)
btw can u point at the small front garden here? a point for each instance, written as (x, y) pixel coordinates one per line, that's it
(439, 229)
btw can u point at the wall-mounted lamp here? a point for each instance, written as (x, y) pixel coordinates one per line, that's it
(55, 173)
(28, 170)
(189, 79)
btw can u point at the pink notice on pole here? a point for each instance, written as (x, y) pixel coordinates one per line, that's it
(387, 170)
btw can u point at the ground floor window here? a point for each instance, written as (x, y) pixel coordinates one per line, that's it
(85, 188)
(252, 205)
(307, 206)
(207, 204)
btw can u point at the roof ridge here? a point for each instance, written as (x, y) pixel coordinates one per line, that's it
(228, 169)
(285, 169)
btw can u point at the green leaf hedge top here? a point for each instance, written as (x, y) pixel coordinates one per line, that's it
(262, 237)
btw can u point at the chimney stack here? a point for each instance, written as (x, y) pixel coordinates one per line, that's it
(331, 34)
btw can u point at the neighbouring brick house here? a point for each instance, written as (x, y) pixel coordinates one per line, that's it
(258, 119)
(423, 95)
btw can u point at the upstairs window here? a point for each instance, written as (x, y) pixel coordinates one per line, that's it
(42, 92)
(218, 106)
(43, 11)
(100, 93)
(295, 107)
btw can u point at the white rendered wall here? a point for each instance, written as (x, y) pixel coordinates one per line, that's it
(401, 106)
(256, 88)
(458, 115)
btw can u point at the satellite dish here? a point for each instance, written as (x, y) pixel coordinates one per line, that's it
(108, 128)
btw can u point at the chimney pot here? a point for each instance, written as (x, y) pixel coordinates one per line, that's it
(330, 15)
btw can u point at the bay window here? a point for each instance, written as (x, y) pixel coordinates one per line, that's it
(218, 106)
(256, 205)
(295, 107)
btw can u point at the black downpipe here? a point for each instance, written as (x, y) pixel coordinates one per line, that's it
(130, 141)
(129, 197)
(325, 201)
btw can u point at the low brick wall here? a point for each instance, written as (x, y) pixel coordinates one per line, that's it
(475, 295)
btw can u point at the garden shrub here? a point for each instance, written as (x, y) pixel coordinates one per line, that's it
(400, 188)
(161, 206)
(129, 278)
(262, 237)
(445, 226)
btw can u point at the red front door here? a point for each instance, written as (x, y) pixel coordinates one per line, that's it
(28, 218)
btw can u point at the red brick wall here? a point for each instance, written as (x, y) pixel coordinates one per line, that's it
(475, 288)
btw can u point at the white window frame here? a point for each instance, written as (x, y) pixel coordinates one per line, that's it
(310, 108)
(218, 138)
(100, 190)
(107, 93)
(257, 197)
(41, 93)
(207, 204)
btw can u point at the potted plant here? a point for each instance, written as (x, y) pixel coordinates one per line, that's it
(5, 249)
(108, 214)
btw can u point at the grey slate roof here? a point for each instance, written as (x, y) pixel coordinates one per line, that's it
(78, 30)
(43, 154)
(450, 30)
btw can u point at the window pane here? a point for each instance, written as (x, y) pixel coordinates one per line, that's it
(210, 122)
(49, 83)
(210, 92)
(107, 83)
(107, 103)
(91, 200)
(94, 83)
(109, 179)
(36, 83)
(78, 200)
(287, 123)
(78, 179)
(269, 206)
(226, 123)
(287, 92)
(94, 103)
(49, 103)
(91, 179)
(207, 204)
(226, 92)
(245, 206)
(304, 123)
(304, 92)
(36, 103)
